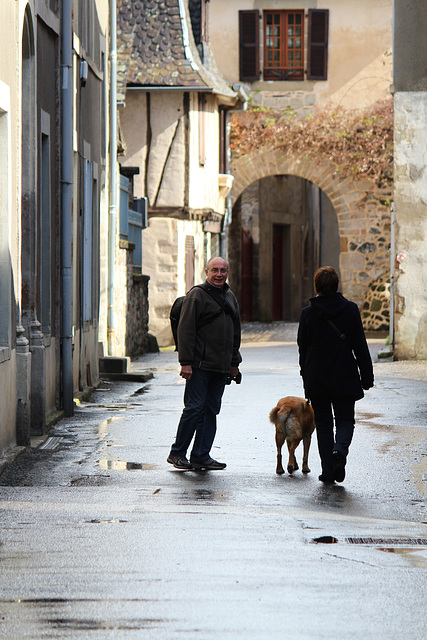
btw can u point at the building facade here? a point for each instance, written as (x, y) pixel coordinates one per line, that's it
(410, 196)
(293, 213)
(173, 127)
(49, 258)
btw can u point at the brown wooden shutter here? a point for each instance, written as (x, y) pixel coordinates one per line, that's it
(189, 262)
(318, 23)
(249, 45)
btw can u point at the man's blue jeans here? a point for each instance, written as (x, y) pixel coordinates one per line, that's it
(327, 442)
(202, 404)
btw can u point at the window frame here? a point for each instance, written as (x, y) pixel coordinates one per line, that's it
(285, 19)
(314, 46)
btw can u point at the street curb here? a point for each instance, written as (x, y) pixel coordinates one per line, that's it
(127, 377)
(9, 456)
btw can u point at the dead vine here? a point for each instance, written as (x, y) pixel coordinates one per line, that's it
(359, 143)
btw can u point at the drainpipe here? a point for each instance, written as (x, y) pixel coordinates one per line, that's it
(66, 195)
(392, 265)
(113, 177)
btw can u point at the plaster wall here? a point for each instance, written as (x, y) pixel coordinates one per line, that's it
(359, 54)
(10, 165)
(160, 262)
(156, 145)
(410, 198)
(163, 251)
(8, 402)
(203, 192)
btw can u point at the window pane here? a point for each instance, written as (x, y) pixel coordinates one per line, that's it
(269, 42)
(290, 43)
(277, 31)
(298, 43)
(269, 56)
(291, 56)
(276, 18)
(298, 56)
(269, 31)
(269, 18)
(298, 18)
(277, 43)
(298, 31)
(277, 56)
(291, 19)
(290, 31)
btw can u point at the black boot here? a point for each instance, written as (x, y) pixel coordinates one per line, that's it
(339, 466)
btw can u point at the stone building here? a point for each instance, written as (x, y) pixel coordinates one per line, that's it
(410, 182)
(173, 127)
(292, 214)
(53, 62)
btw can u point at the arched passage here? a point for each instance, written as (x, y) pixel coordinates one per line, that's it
(358, 211)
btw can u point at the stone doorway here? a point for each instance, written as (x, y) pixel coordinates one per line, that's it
(290, 227)
(353, 214)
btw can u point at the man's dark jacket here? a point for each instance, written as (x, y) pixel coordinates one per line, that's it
(331, 366)
(215, 345)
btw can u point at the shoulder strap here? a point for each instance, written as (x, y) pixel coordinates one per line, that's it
(210, 318)
(340, 333)
(210, 293)
(334, 326)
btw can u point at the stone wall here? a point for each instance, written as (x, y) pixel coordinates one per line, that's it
(137, 337)
(131, 337)
(363, 214)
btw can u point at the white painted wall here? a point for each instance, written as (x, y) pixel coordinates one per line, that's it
(410, 198)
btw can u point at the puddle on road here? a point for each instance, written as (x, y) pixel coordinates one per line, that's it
(76, 624)
(120, 465)
(368, 419)
(420, 475)
(325, 540)
(204, 495)
(100, 521)
(418, 558)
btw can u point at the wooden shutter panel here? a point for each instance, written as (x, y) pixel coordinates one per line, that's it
(249, 45)
(318, 23)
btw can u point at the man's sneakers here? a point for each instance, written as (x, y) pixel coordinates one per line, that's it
(339, 466)
(179, 462)
(209, 465)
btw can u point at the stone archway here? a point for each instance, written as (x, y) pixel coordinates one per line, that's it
(363, 217)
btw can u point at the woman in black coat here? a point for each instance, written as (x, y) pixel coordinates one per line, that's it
(335, 366)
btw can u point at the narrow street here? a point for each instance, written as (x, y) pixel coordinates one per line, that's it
(101, 538)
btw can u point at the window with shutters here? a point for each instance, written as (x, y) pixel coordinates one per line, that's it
(283, 45)
(286, 53)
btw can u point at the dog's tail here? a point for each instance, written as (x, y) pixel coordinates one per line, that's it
(275, 417)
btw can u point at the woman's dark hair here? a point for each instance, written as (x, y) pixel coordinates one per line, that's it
(326, 281)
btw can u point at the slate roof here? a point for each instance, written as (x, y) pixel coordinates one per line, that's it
(156, 48)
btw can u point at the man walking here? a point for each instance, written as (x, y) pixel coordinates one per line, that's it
(208, 351)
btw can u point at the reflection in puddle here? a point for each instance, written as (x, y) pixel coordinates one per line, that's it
(111, 521)
(418, 557)
(120, 465)
(333, 496)
(205, 495)
(103, 428)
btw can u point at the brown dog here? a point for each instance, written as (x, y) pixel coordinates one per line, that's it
(294, 420)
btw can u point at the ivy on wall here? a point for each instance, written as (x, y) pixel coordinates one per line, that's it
(358, 143)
